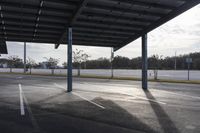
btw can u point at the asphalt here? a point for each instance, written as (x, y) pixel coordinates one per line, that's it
(40, 104)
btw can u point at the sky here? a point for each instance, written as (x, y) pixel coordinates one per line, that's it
(180, 35)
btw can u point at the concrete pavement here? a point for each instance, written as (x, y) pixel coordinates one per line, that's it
(96, 106)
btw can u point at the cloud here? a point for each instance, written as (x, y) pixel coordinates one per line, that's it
(181, 34)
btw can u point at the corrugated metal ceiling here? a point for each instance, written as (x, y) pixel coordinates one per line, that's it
(109, 23)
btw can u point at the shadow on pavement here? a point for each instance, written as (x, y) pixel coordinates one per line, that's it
(12, 122)
(83, 117)
(166, 123)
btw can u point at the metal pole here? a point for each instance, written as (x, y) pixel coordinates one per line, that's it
(175, 62)
(188, 71)
(144, 62)
(24, 57)
(69, 65)
(112, 56)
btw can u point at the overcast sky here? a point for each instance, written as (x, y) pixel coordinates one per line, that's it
(182, 34)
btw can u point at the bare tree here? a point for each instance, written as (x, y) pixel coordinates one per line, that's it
(78, 57)
(156, 64)
(52, 63)
(85, 59)
(10, 63)
(30, 63)
(14, 62)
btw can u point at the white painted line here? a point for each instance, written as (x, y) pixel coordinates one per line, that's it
(100, 106)
(143, 98)
(33, 120)
(195, 97)
(21, 101)
(19, 77)
(59, 86)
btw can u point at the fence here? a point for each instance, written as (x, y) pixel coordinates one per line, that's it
(162, 74)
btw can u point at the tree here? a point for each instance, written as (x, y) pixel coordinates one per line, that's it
(30, 63)
(196, 64)
(51, 63)
(155, 64)
(14, 62)
(78, 57)
(85, 59)
(64, 65)
(136, 63)
(101, 63)
(120, 62)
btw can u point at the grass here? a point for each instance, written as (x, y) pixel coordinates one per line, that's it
(116, 78)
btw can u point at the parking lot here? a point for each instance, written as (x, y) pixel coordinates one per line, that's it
(40, 104)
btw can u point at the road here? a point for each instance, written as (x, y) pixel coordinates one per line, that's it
(40, 104)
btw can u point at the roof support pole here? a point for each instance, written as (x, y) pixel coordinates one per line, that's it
(111, 62)
(24, 57)
(69, 62)
(144, 62)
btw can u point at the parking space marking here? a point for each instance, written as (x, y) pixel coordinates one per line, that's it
(59, 86)
(194, 97)
(33, 120)
(100, 106)
(139, 97)
(22, 111)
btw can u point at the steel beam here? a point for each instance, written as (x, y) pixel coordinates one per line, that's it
(117, 9)
(69, 62)
(111, 61)
(24, 57)
(144, 63)
(3, 47)
(56, 46)
(74, 17)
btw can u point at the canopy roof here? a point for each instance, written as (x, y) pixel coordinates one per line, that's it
(3, 47)
(109, 23)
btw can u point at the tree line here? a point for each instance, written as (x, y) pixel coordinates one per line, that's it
(80, 61)
(154, 62)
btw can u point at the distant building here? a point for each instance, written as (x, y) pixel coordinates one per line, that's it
(3, 63)
(44, 65)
